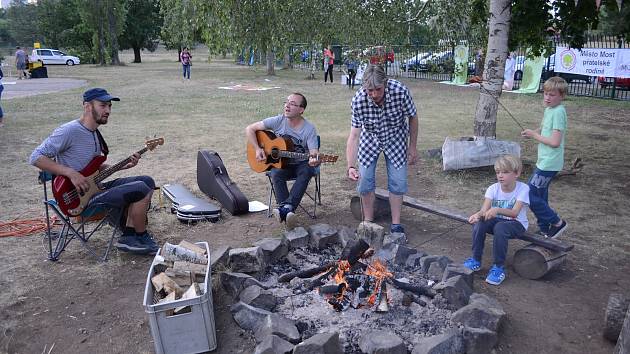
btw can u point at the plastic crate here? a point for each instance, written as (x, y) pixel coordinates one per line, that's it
(189, 332)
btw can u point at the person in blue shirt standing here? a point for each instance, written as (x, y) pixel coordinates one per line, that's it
(351, 66)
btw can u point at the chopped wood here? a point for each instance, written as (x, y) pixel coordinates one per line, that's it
(182, 265)
(415, 288)
(382, 305)
(183, 278)
(178, 253)
(354, 250)
(286, 277)
(191, 293)
(191, 246)
(170, 297)
(163, 282)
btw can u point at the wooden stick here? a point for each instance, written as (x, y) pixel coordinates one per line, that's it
(286, 277)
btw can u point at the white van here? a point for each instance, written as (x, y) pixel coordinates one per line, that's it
(53, 56)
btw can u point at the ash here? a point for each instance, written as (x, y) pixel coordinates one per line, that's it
(313, 314)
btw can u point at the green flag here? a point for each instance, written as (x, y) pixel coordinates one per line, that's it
(532, 70)
(460, 74)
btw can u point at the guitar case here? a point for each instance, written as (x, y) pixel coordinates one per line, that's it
(188, 207)
(213, 179)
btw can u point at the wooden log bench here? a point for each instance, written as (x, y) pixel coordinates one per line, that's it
(533, 261)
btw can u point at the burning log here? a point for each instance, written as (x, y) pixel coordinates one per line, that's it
(416, 289)
(284, 278)
(382, 305)
(354, 251)
(331, 289)
(339, 303)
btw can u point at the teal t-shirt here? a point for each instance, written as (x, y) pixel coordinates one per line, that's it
(549, 158)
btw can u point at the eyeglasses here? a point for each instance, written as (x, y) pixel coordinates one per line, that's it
(292, 104)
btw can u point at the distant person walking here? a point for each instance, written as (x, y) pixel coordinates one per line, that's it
(20, 63)
(185, 58)
(351, 66)
(329, 59)
(1, 89)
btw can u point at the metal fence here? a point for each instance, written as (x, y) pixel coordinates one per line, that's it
(436, 62)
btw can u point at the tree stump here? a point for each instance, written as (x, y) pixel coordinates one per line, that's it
(533, 262)
(623, 343)
(381, 209)
(615, 313)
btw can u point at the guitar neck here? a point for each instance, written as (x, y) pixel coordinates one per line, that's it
(294, 155)
(117, 167)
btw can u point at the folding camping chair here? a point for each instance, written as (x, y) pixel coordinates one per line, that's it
(315, 195)
(82, 227)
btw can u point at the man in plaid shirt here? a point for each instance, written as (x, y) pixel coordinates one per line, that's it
(383, 117)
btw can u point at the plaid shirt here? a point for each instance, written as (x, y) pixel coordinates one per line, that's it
(383, 129)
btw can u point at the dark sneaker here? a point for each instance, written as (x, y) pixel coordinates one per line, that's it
(472, 264)
(281, 214)
(133, 244)
(496, 275)
(397, 228)
(555, 231)
(148, 240)
(291, 220)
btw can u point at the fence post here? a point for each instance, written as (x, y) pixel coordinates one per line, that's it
(415, 67)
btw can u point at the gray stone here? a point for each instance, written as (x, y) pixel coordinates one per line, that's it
(387, 252)
(458, 269)
(455, 290)
(425, 262)
(280, 326)
(403, 253)
(322, 236)
(481, 312)
(219, 258)
(234, 283)
(413, 261)
(479, 340)
(322, 343)
(436, 271)
(296, 238)
(274, 345)
(345, 235)
(396, 237)
(273, 249)
(248, 317)
(246, 260)
(372, 233)
(256, 296)
(382, 342)
(450, 342)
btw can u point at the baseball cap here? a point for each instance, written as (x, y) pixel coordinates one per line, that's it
(99, 94)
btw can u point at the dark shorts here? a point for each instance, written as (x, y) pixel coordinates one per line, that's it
(123, 191)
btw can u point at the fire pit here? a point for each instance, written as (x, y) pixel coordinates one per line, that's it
(334, 290)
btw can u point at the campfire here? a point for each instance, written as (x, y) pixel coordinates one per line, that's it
(358, 291)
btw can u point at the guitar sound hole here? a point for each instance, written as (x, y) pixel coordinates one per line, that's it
(275, 154)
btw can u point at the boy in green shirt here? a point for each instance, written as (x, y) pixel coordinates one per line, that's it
(550, 136)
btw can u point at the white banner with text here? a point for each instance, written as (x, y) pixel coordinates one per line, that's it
(609, 62)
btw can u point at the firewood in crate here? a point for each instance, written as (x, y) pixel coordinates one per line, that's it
(170, 297)
(183, 278)
(163, 282)
(197, 268)
(178, 253)
(191, 292)
(192, 247)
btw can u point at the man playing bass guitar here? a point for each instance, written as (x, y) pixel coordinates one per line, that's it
(291, 124)
(72, 146)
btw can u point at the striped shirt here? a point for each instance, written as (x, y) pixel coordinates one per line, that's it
(383, 129)
(71, 145)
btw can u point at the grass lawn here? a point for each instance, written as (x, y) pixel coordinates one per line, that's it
(561, 313)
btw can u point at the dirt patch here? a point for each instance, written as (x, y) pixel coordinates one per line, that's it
(33, 87)
(81, 306)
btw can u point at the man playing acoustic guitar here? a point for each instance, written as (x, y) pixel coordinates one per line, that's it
(72, 146)
(303, 134)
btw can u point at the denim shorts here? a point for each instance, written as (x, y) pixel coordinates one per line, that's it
(396, 178)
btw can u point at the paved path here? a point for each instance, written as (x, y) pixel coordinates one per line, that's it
(31, 87)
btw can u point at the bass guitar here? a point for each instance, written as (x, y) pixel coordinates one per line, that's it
(71, 201)
(277, 151)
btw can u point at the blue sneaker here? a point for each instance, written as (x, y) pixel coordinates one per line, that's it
(496, 275)
(472, 264)
(147, 239)
(133, 244)
(397, 228)
(281, 214)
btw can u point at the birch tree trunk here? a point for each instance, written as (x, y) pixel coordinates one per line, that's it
(498, 30)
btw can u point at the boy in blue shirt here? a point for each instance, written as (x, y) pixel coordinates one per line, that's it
(503, 214)
(550, 136)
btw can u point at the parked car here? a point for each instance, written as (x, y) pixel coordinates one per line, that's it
(620, 82)
(440, 60)
(411, 64)
(53, 56)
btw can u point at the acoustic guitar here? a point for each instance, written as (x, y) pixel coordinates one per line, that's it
(277, 151)
(71, 201)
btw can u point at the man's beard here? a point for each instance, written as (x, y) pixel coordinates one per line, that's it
(98, 119)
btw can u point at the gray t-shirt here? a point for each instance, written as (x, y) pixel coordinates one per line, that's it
(20, 57)
(304, 138)
(71, 145)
